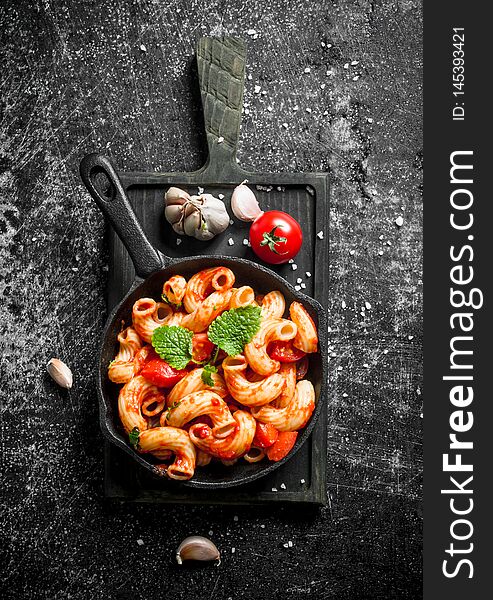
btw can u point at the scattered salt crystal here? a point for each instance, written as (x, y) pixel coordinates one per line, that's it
(262, 526)
(75, 269)
(211, 532)
(308, 274)
(343, 304)
(307, 70)
(385, 351)
(329, 73)
(249, 77)
(345, 395)
(245, 242)
(302, 481)
(247, 111)
(346, 66)
(399, 221)
(322, 86)
(286, 545)
(143, 48)
(410, 337)
(251, 32)
(370, 120)
(320, 235)
(329, 329)
(285, 125)
(274, 489)
(290, 544)
(303, 286)
(201, 190)
(290, 261)
(264, 93)
(235, 518)
(354, 62)
(269, 108)
(329, 45)
(231, 222)
(388, 243)
(308, 109)
(380, 237)
(294, 266)
(299, 280)
(140, 542)
(296, 107)
(220, 196)
(355, 78)
(322, 44)
(352, 252)
(283, 486)
(367, 305)
(220, 139)
(297, 288)
(256, 89)
(231, 241)
(339, 368)
(178, 241)
(326, 112)
(233, 550)
(380, 253)
(366, 365)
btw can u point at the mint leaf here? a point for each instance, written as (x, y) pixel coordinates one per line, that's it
(173, 344)
(232, 330)
(133, 437)
(206, 375)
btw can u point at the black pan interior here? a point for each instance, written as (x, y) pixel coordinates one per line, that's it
(247, 273)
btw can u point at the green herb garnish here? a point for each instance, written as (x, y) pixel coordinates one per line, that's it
(173, 344)
(133, 437)
(206, 375)
(174, 405)
(232, 330)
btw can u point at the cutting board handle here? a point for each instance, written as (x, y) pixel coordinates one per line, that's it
(221, 69)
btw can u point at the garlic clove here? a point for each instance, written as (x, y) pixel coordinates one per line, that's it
(178, 228)
(244, 203)
(197, 547)
(176, 196)
(60, 373)
(173, 213)
(192, 223)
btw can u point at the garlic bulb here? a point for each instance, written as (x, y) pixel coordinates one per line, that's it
(244, 204)
(197, 547)
(60, 373)
(201, 217)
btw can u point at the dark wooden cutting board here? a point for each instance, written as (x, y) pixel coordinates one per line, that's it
(221, 66)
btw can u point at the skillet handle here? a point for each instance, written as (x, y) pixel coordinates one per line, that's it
(105, 187)
(221, 70)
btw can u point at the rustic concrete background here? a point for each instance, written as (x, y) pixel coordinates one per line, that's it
(79, 76)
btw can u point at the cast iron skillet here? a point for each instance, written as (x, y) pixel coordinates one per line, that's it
(152, 270)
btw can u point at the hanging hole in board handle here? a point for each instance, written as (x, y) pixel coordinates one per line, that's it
(102, 184)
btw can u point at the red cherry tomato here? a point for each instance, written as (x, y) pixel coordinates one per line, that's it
(202, 347)
(160, 373)
(302, 368)
(265, 435)
(275, 237)
(282, 446)
(284, 352)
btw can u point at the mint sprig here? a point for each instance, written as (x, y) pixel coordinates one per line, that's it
(206, 375)
(232, 330)
(173, 344)
(133, 437)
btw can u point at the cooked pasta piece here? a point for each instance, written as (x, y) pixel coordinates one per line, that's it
(295, 415)
(203, 458)
(159, 439)
(148, 315)
(250, 393)
(207, 311)
(193, 383)
(131, 398)
(288, 370)
(306, 339)
(121, 369)
(254, 455)
(256, 351)
(234, 446)
(201, 284)
(242, 296)
(202, 403)
(174, 289)
(273, 305)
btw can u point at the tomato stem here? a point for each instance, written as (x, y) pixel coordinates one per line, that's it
(271, 239)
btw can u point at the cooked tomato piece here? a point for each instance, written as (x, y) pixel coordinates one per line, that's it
(284, 351)
(160, 373)
(202, 347)
(301, 367)
(282, 446)
(265, 435)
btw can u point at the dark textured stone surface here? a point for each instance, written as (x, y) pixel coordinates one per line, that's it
(83, 76)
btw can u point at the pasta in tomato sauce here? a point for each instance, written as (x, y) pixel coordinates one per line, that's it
(197, 397)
